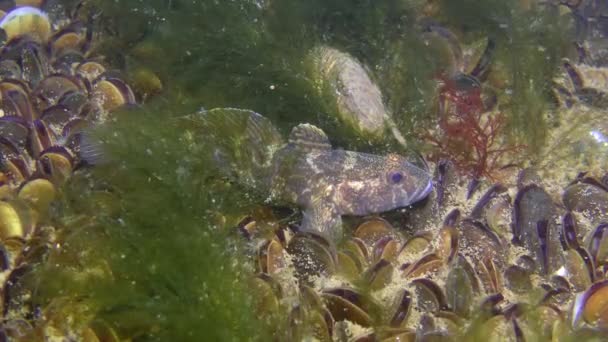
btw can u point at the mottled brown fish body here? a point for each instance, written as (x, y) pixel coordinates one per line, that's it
(357, 183)
(307, 172)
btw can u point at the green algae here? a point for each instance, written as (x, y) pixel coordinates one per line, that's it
(143, 246)
(150, 223)
(252, 55)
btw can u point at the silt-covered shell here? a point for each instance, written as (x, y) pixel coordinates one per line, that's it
(348, 90)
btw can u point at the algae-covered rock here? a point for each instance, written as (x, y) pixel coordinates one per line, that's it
(348, 91)
(348, 88)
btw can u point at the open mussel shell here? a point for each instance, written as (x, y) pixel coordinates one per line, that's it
(400, 309)
(569, 231)
(41, 138)
(385, 248)
(15, 167)
(478, 242)
(16, 100)
(557, 298)
(317, 318)
(31, 57)
(73, 37)
(268, 294)
(56, 117)
(491, 304)
(90, 70)
(16, 329)
(72, 134)
(358, 250)
(56, 164)
(592, 305)
(379, 275)
(321, 323)
(429, 297)
(498, 215)
(349, 265)
(485, 200)
(589, 199)
(270, 257)
(9, 148)
(77, 102)
(67, 62)
(499, 327)
(428, 264)
(518, 279)
(348, 304)
(312, 255)
(373, 230)
(448, 244)
(38, 193)
(426, 325)
(462, 287)
(26, 21)
(415, 247)
(6, 190)
(578, 268)
(54, 87)
(598, 244)
(8, 84)
(112, 93)
(310, 298)
(534, 217)
(15, 129)
(16, 219)
(310, 318)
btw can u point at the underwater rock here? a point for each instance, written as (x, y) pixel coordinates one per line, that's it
(349, 92)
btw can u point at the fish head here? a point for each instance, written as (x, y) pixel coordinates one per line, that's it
(390, 182)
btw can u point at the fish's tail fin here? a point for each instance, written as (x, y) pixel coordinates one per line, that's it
(241, 143)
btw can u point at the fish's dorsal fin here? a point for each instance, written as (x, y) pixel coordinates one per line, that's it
(309, 137)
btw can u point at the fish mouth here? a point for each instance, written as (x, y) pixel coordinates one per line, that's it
(422, 193)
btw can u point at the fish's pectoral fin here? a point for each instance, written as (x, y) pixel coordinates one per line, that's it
(309, 138)
(323, 217)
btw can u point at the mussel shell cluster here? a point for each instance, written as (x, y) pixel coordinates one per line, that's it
(52, 88)
(520, 259)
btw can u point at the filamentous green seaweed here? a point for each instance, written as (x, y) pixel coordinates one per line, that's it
(152, 216)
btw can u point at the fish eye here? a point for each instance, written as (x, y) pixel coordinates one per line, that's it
(395, 177)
